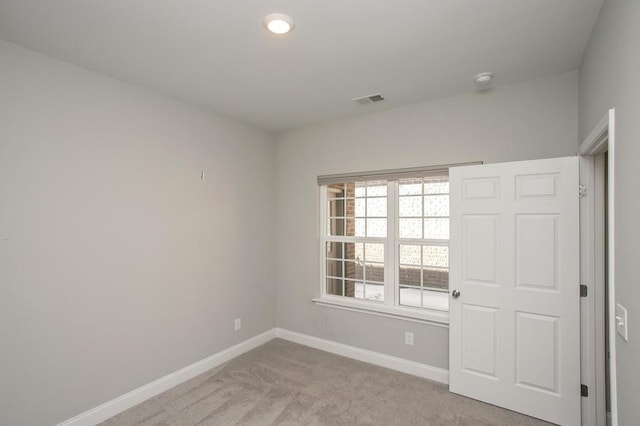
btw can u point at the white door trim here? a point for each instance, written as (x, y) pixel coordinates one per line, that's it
(596, 142)
(592, 274)
(600, 140)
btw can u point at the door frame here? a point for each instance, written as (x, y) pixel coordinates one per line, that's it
(600, 140)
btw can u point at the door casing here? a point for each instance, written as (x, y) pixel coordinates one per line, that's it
(600, 140)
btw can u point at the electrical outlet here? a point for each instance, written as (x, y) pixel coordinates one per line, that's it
(408, 338)
(237, 324)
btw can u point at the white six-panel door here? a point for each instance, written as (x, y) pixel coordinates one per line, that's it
(515, 326)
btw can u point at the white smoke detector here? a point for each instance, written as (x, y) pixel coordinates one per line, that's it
(483, 80)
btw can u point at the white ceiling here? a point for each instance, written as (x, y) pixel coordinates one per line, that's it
(216, 53)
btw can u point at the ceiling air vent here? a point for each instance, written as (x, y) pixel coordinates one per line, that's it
(369, 99)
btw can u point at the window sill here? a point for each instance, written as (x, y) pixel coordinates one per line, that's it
(429, 316)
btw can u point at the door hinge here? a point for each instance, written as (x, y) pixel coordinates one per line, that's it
(583, 290)
(582, 191)
(584, 391)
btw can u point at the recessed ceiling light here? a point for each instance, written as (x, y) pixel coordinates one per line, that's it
(278, 23)
(483, 80)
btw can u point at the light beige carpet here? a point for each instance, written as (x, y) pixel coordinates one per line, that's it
(283, 383)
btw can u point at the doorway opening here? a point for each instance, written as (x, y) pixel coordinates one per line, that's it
(598, 367)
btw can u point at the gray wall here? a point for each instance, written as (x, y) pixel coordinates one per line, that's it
(537, 119)
(610, 77)
(119, 265)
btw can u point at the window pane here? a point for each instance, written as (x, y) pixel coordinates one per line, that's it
(350, 288)
(362, 216)
(436, 229)
(410, 296)
(374, 272)
(336, 207)
(410, 228)
(359, 293)
(335, 190)
(377, 189)
(334, 268)
(410, 255)
(435, 256)
(353, 270)
(436, 185)
(376, 227)
(354, 227)
(369, 292)
(360, 212)
(410, 275)
(335, 286)
(374, 252)
(436, 278)
(359, 290)
(410, 207)
(336, 226)
(435, 300)
(334, 250)
(436, 205)
(374, 292)
(410, 186)
(354, 251)
(377, 207)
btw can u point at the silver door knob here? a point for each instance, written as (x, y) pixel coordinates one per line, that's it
(455, 294)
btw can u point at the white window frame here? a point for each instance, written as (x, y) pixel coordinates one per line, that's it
(390, 307)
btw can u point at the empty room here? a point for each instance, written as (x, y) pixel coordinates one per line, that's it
(278, 212)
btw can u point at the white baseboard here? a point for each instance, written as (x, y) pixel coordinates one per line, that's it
(135, 397)
(394, 363)
(118, 405)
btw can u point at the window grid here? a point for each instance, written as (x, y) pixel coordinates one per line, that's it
(354, 206)
(419, 281)
(349, 270)
(364, 275)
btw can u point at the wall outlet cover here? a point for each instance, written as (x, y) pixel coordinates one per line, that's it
(408, 338)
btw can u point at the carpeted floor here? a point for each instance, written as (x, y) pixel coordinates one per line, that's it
(284, 383)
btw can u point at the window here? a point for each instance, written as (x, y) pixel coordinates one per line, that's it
(356, 239)
(423, 242)
(386, 242)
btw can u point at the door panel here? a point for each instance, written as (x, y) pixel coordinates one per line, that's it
(483, 188)
(537, 186)
(537, 351)
(479, 256)
(514, 330)
(479, 354)
(536, 251)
